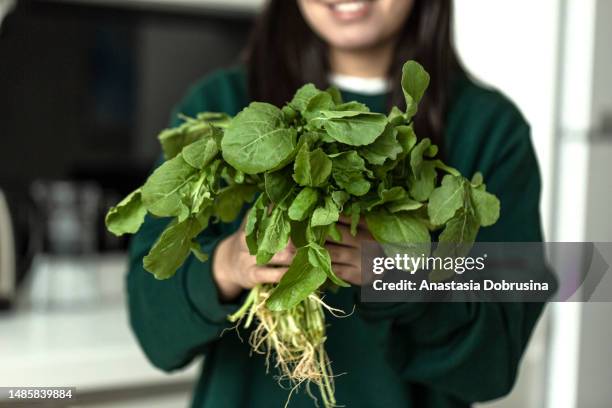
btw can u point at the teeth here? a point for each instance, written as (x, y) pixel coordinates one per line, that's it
(349, 7)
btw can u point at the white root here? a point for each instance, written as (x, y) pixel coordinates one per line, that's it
(294, 339)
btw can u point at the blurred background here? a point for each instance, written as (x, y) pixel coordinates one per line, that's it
(85, 86)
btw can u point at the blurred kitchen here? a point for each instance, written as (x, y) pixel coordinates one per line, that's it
(85, 86)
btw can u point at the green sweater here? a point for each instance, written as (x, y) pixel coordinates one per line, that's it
(394, 355)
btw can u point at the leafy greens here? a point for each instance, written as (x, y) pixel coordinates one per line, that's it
(303, 166)
(310, 162)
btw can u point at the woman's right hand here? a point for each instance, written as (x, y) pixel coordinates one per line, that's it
(234, 269)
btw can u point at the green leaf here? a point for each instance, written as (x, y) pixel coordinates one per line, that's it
(289, 114)
(416, 156)
(396, 116)
(302, 97)
(422, 186)
(238, 177)
(273, 233)
(201, 200)
(263, 257)
(347, 171)
(392, 194)
(171, 249)
(383, 148)
(201, 189)
(406, 137)
(335, 93)
(165, 189)
(477, 179)
(456, 240)
(340, 198)
(431, 151)
(196, 250)
(279, 187)
(450, 170)
(384, 196)
(423, 179)
(352, 106)
(218, 119)
(353, 128)
(203, 216)
(201, 152)
(355, 218)
(298, 233)
(398, 228)
(486, 207)
(445, 200)
(231, 199)
(253, 220)
(415, 81)
(317, 103)
(257, 139)
(319, 257)
(127, 216)
(303, 204)
(311, 138)
(300, 280)
(461, 229)
(311, 169)
(334, 233)
(213, 171)
(404, 204)
(175, 139)
(326, 214)
(317, 234)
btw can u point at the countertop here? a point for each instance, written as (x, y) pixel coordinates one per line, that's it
(90, 347)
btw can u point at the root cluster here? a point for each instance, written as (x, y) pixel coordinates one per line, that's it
(292, 340)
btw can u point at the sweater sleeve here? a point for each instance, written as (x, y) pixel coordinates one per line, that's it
(471, 351)
(176, 319)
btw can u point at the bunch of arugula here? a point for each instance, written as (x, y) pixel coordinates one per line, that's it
(305, 165)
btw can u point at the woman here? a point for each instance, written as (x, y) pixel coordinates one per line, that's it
(394, 355)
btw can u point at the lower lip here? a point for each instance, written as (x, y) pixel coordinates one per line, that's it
(350, 11)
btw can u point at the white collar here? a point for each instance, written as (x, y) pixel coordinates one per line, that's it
(367, 86)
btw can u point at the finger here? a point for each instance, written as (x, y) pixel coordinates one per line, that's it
(283, 258)
(291, 246)
(244, 219)
(344, 255)
(363, 234)
(348, 273)
(266, 274)
(344, 219)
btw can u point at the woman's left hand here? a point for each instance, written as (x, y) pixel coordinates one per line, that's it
(346, 255)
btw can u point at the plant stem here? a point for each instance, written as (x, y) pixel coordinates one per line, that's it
(245, 306)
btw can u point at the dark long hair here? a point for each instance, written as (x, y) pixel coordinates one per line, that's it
(284, 53)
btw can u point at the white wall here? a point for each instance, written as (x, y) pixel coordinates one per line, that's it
(594, 372)
(513, 46)
(602, 78)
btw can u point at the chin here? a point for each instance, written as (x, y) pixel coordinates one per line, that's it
(355, 38)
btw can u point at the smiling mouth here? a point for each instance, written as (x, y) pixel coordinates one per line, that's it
(350, 9)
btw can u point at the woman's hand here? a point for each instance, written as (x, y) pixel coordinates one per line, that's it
(346, 255)
(235, 269)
